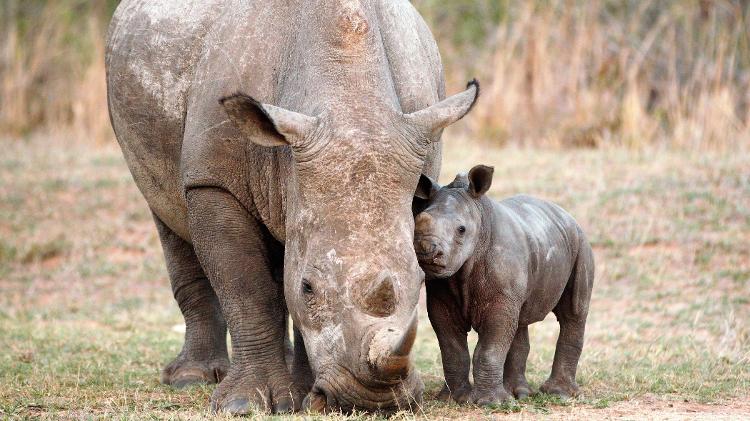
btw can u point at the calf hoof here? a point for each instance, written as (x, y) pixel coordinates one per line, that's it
(492, 397)
(461, 394)
(562, 389)
(181, 373)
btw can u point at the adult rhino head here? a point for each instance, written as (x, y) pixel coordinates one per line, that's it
(351, 277)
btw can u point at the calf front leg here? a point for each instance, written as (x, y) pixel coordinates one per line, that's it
(514, 372)
(233, 249)
(496, 333)
(451, 329)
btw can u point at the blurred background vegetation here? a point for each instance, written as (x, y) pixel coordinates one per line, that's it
(560, 73)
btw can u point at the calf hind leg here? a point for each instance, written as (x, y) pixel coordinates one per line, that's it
(562, 381)
(203, 358)
(571, 313)
(514, 372)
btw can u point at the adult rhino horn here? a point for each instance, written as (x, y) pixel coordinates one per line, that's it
(402, 348)
(389, 350)
(447, 111)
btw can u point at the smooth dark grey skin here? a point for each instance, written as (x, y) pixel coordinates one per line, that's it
(498, 267)
(291, 198)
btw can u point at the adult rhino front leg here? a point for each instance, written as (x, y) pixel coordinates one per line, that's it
(232, 248)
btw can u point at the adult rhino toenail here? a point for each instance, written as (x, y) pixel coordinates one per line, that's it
(236, 406)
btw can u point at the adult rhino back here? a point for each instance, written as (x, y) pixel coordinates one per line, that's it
(285, 136)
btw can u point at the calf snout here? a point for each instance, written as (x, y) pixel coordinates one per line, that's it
(430, 252)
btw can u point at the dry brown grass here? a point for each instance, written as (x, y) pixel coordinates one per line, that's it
(590, 73)
(52, 68)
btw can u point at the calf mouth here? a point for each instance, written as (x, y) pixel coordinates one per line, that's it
(433, 270)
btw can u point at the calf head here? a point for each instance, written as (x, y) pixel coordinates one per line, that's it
(449, 224)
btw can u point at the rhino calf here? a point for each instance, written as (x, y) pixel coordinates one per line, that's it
(497, 267)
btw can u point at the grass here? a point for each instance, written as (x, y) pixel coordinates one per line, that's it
(87, 319)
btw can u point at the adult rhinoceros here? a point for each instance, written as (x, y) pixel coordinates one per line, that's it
(309, 173)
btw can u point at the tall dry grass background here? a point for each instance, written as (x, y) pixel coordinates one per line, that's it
(555, 72)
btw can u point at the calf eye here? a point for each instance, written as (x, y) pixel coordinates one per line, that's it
(461, 229)
(307, 287)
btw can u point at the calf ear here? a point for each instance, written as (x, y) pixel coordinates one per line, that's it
(480, 180)
(426, 188)
(267, 125)
(447, 111)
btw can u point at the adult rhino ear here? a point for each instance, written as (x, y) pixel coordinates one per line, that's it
(447, 111)
(480, 180)
(265, 124)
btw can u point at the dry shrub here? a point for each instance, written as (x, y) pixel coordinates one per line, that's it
(554, 72)
(52, 67)
(589, 73)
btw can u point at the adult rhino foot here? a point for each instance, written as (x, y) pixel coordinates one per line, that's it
(183, 372)
(461, 394)
(492, 396)
(561, 388)
(245, 394)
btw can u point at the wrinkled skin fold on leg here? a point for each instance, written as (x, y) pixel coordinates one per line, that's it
(253, 302)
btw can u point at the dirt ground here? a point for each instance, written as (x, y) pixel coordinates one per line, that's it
(87, 319)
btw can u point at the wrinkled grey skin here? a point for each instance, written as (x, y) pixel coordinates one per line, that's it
(498, 267)
(307, 175)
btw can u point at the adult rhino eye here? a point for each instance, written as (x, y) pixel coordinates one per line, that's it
(461, 229)
(307, 287)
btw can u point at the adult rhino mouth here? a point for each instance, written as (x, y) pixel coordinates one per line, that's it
(337, 389)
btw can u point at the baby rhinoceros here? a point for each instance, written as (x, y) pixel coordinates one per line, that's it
(497, 267)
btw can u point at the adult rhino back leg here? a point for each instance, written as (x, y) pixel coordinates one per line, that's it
(203, 358)
(571, 312)
(234, 249)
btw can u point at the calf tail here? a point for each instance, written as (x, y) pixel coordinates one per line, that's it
(582, 278)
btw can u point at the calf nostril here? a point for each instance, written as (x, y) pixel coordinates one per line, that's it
(426, 246)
